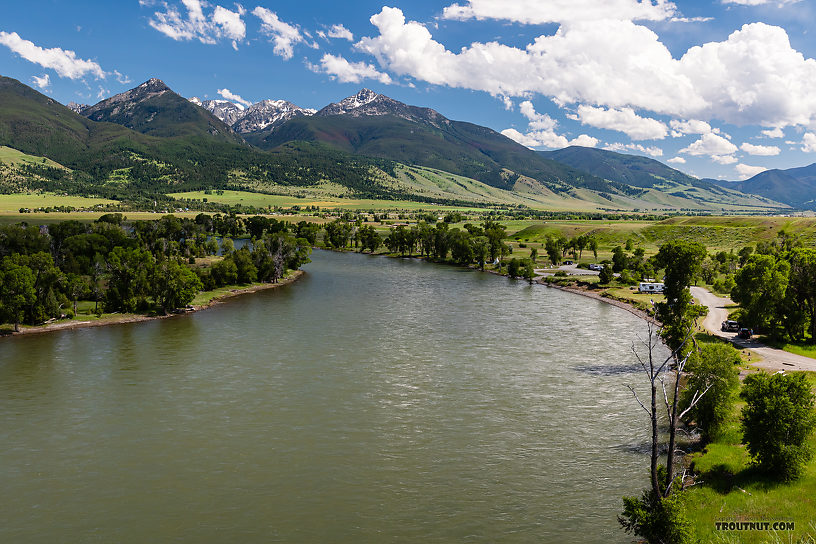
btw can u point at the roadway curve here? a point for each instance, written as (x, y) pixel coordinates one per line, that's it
(772, 358)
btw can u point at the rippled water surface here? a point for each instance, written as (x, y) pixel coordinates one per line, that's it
(376, 400)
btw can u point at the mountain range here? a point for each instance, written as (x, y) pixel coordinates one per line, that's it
(365, 145)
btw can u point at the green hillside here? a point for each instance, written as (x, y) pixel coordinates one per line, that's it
(460, 148)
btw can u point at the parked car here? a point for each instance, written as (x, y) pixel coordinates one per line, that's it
(730, 326)
(745, 333)
(594, 266)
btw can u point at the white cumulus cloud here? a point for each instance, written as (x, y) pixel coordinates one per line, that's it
(231, 96)
(711, 145)
(774, 133)
(677, 160)
(282, 34)
(339, 31)
(64, 62)
(761, 150)
(557, 11)
(692, 126)
(585, 140)
(754, 77)
(541, 131)
(650, 150)
(624, 120)
(537, 121)
(746, 171)
(528, 140)
(193, 23)
(809, 142)
(42, 82)
(351, 72)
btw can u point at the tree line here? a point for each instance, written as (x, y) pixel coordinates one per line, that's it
(146, 266)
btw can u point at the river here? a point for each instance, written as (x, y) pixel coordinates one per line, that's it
(376, 400)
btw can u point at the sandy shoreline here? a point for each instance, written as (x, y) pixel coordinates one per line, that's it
(74, 324)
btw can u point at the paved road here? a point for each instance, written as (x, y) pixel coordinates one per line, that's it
(772, 359)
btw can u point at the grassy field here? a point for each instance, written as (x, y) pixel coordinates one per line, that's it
(11, 204)
(731, 489)
(259, 200)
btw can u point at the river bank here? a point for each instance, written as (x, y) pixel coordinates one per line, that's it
(205, 299)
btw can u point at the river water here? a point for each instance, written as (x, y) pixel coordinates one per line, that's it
(376, 400)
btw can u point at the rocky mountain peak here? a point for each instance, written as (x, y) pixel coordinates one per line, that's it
(362, 98)
(77, 108)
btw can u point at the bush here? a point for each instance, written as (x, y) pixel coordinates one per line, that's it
(777, 421)
(658, 520)
(69, 314)
(561, 274)
(627, 278)
(713, 367)
(606, 275)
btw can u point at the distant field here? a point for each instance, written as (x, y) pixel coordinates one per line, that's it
(716, 233)
(13, 203)
(259, 200)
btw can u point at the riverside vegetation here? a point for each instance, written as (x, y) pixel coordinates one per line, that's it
(151, 267)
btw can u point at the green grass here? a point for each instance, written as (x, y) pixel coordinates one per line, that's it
(11, 204)
(798, 348)
(729, 487)
(13, 157)
(260, 200)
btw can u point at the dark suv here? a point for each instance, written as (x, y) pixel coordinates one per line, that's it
(745, 333)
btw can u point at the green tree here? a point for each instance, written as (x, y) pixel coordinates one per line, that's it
(75, 287)
(129, 278)
(514, 268)
(338, 233)
(173, 285)
(681, 261)
(606, 275)
(495, 233)
(618, 259)
(712, 372)
(481, 249)
(460, 246)
(553, 248)
(759, 288)
(224, 272)
(528, 270)
(245, 266)
(777, 421)
(16, 291)
(803, 283)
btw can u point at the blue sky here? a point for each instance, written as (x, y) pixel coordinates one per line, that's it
(716, 89)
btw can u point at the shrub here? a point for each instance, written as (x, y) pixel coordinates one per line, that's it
(777, 421)
(658, 520)
(713, 367)
(606, 275)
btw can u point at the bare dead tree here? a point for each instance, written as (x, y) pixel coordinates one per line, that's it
(659, 373)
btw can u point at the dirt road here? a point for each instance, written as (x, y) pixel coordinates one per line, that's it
(772, 359)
